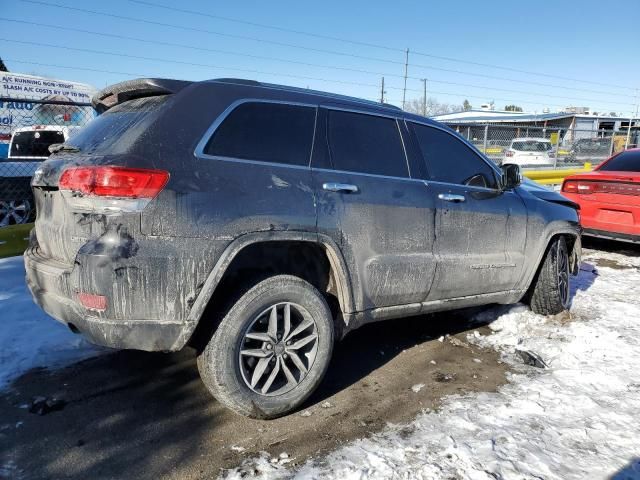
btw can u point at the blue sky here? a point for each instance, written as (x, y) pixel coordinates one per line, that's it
(581, 41)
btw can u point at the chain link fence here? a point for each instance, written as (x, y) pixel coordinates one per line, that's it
(544, 147)
(27, 129)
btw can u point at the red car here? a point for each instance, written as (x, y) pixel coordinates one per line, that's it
(609, 197)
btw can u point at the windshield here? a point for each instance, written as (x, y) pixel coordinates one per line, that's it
(628, 161)
(531, 146)
(116, 130)
(34, 143)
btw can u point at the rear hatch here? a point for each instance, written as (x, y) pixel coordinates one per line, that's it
(68, 218)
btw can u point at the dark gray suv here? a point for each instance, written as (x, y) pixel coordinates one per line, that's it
(261, 223)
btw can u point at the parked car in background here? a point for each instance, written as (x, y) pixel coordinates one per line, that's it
(530, 152)
(28, 147)
(592, 150)
(276, 222)
(609, 197)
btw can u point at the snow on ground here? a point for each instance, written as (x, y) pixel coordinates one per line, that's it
(578, 419)
(29, 337)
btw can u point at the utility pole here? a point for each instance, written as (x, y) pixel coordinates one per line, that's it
(382, 91)
(406, 71)
(626, 143)
(424, 97)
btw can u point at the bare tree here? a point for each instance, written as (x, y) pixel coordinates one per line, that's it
(433, 107)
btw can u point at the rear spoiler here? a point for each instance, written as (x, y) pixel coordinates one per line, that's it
(141, 87)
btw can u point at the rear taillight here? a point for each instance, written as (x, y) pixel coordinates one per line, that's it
(575, 186)
(586, 187)
(118, 182)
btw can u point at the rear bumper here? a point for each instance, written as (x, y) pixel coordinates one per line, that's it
(52, 288)
(621, 237)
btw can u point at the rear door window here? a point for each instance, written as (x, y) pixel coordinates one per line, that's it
(268, 132)
(366, 144)
(450, 160)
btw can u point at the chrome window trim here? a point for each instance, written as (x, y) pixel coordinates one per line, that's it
(395, 118)
(208, 134)
(474, 188)
(460, 139)
(375, 175)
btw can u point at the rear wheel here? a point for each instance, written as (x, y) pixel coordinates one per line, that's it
(271, 350)
(551, 289)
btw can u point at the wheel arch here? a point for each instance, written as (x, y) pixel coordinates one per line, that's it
(339, 281)
(572, 236)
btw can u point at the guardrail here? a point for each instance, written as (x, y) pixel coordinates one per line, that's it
(553, 176)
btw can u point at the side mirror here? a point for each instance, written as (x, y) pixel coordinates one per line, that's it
(511, 176)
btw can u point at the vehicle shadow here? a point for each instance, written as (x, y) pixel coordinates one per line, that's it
(147, 415)
(611, 246)
(376, 344)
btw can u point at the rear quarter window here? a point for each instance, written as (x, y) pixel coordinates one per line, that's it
(266, 132)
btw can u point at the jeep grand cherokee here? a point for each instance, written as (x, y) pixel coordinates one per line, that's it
(261, 223)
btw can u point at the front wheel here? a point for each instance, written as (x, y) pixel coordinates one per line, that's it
(271, 350)
(551, 289)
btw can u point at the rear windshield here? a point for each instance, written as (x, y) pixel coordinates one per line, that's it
(116, 130)
(628, 161)
(531, 146)
(34, 143)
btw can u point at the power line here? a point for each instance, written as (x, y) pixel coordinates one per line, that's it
(253, 71)
(226, 52)
(131, 74)
(299, 77)
(209, 32)
(190, 47)
(374, 45)
(332, 52)
(272, 27)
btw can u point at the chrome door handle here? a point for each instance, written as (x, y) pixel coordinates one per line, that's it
(450, 197)
(340, 187)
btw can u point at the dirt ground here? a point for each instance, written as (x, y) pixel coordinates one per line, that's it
(145, 415)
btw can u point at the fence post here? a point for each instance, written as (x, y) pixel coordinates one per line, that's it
(613, 138)
(469, 133)
(555, 163)
(484, 146)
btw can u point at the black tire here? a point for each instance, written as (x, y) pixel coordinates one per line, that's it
(228, 374)
(550, 292)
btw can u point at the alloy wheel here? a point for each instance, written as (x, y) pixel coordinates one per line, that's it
(563, 275)
(278, 349)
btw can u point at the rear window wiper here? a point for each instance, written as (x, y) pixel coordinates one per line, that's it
(62, 147)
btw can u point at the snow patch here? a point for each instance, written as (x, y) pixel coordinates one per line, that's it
(29, 338)
(575, 420)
